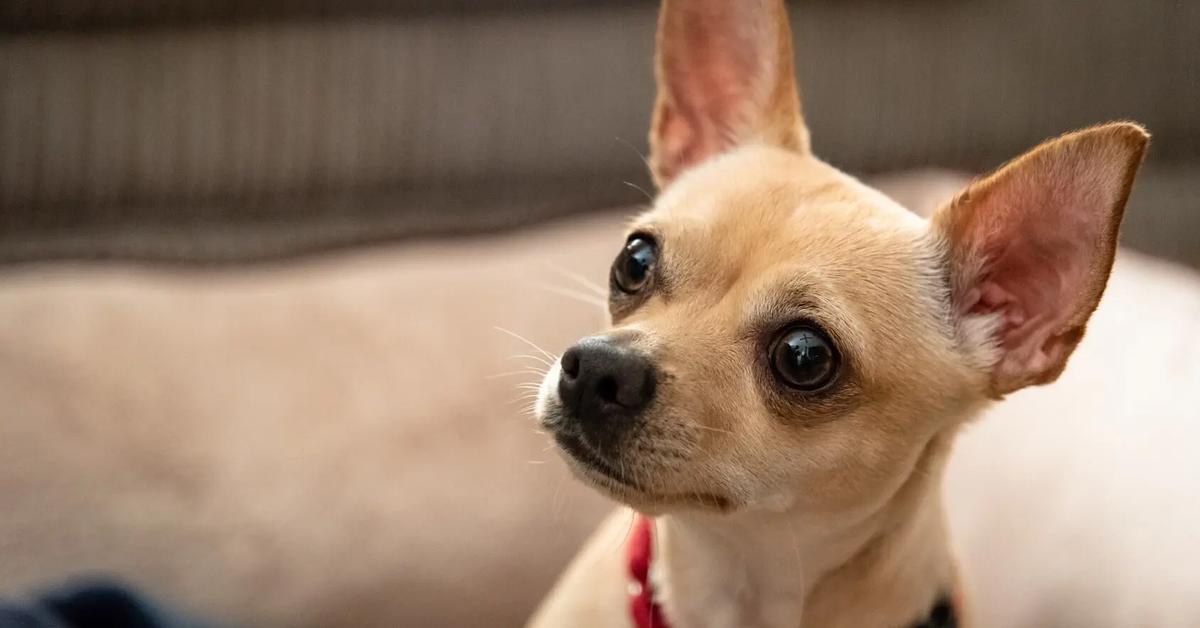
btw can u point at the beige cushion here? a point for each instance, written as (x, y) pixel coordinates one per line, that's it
(324, 443)
(1078, 504)
(315, 444)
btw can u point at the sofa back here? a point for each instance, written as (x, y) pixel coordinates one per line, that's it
(211, 130)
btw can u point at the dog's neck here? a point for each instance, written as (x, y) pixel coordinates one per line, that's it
(884, 568)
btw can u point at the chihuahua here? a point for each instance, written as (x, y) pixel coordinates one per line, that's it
(792, 352)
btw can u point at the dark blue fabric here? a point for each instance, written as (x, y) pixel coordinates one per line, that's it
(92, 603)
(942, 616)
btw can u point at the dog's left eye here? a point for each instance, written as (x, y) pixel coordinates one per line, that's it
(804, 358)
(635, 264)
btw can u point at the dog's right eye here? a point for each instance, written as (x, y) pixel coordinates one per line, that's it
(634, 266)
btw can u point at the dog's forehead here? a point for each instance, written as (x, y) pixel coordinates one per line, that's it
(759, 207)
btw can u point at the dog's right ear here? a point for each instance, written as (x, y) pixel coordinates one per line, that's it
(725, 78)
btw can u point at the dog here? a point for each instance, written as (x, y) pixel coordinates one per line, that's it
(792, 353)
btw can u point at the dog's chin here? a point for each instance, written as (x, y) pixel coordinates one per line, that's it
(613, 481)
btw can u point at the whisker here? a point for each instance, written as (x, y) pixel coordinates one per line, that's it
(629, 528)
(549, 356)
(626, 142)
(531, 357)
(637, 187)
(624, 540)
(600, 291)
(529, 371)
(582, 297)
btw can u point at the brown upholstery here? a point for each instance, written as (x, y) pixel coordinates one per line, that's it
(215, 130)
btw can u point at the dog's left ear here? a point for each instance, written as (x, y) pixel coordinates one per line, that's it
(724, 70)
(1032, 245)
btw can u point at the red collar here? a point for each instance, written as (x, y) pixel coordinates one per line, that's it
(646, 613)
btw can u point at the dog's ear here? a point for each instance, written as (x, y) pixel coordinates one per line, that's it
(1032, 245)
(724, 71)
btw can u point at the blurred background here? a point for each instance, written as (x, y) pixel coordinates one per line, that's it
(225, 130)
(255, 252)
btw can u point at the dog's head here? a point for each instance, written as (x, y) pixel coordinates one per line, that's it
(785, 336)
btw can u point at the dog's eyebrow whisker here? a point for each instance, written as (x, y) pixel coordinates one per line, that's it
(645, 162)
(549, 356)
(637, 187)
(582, 297)
(600, 291)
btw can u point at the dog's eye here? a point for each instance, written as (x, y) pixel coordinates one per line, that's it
(803, 358)
(635, 265)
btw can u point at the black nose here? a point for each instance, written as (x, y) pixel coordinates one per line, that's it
(602, 382)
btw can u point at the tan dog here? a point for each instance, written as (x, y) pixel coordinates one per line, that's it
(792, 352)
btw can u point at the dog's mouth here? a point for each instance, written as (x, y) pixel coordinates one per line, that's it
(600, 471)
(575, 447)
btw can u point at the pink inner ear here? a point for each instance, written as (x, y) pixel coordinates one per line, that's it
(1040, 234)
(1033, 293)
(680, 138)
(724, 79)
(724, 61)
(713, 81)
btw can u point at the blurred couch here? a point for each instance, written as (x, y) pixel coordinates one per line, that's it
(227, 130)
(338, 439)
